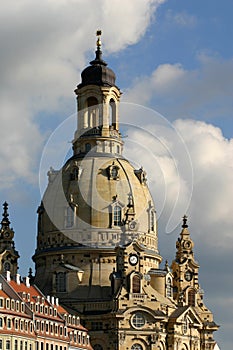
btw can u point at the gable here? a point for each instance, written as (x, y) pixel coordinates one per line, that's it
(186, 312)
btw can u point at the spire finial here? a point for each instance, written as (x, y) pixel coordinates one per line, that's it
(166, 266)
(98, 54)
(5, 221)
(98, 43)
(185, 219)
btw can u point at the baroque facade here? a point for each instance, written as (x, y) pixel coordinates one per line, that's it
(97, 242)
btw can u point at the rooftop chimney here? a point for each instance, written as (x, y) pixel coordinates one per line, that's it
(8, 276)
(18, 278)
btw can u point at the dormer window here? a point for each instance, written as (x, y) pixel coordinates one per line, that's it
(117, 213)
(113, 172)
(141, 175)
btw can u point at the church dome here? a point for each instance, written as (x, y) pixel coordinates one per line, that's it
(104, 196)
(97, 201)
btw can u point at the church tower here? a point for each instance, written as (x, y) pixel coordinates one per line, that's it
(186, 288)
(97, 241)
(8, 255)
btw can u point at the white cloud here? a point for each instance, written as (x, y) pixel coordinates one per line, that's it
(43, 49)
(212, 160)
(205, 92)
(170, 163)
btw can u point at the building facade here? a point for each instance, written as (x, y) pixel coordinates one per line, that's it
(97, 241)
(28, 319)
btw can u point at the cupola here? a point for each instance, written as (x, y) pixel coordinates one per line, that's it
(98, 110)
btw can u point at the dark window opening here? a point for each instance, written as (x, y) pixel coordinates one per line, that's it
(136, 284)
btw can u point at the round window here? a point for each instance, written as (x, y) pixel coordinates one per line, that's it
(136, 347)
(138, 320)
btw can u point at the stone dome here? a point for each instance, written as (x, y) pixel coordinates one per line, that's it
(97, 202)
(104, 200)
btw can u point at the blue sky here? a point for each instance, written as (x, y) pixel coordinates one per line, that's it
(174, 57)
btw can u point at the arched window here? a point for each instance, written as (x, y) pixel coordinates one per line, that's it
(61, 282)
(169, 287)
(93, 112)
(1, 322)
(136, 284)
(117, 215)
(69, 219)
(7, 266)
(191, 297)
(152, 220)
(9, 323)
(112, 113)
(87, 147)
(8, 345)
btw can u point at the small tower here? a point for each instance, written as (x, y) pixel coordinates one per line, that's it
(8, 255)
(186, 288)
(98, 109)
(185, 269)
